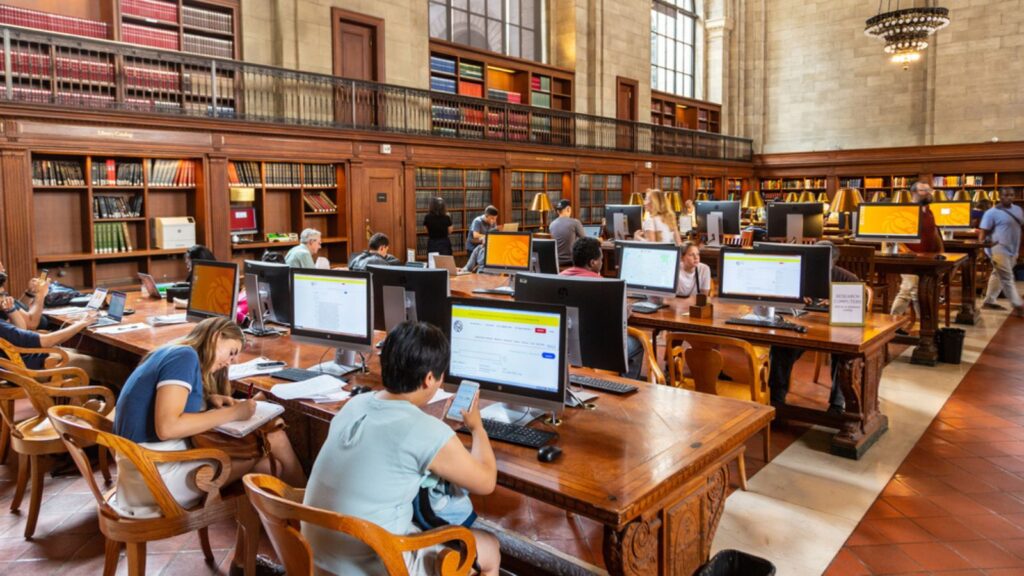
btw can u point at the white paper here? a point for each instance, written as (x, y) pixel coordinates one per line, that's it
(65, 311)
(247, 369)
(440, 396)
(265, 411)
(168, 319)
(318, 386)
(332, 397)
(323, 263)
(119, 328)
(685, 223)
(846, 303)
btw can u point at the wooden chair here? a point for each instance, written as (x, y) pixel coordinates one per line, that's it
(80, 427)
(869, 296)
(56, 358)
(704, 358)
(654, 373)
(861, 261)
(34, 439)
(281, 509)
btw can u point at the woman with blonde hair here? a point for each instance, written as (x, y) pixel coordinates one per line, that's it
(660, 224)
(178, 391)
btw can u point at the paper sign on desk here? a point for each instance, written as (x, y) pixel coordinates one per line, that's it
(119, 328)
(846, 304)
(319, 386)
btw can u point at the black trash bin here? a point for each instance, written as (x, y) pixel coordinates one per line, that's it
(950, 342)
(736, 563)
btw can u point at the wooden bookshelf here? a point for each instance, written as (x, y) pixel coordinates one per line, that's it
(91, 230)
(708, 185)
(680, 184)
(465, 192)
(776, 188)
(671, 110)
(290, 197)
(598, 190)
(525, 185)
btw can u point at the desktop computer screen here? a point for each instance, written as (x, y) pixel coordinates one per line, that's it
(214, 290)
(401, 293)
(332, 307)
(509, 251)
(274, 278)
(648, 267)
(243, 220)
(628, 214)
(761, 277)
(952, 215)
(813, 214)
(890, 222)
(730, 210)
(515, 350)
(817, 282)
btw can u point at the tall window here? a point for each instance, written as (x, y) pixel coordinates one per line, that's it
(510, 27)
(673, 29)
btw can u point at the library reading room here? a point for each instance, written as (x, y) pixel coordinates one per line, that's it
(660, 287)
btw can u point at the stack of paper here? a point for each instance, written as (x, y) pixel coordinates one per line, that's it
(322, 385)
(265, 411)
(250, 368)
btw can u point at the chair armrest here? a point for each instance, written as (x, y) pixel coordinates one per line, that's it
(63, 376)
(85, 391)
(451, 564)
(206, 479)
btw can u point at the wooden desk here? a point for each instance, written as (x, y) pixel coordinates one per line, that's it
(973, 249)
(650, 466)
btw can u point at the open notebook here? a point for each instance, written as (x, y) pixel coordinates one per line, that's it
(265, 412)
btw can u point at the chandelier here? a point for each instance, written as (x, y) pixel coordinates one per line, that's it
(906, 30)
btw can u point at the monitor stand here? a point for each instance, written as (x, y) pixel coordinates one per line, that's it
(508, 289)
(893, 249)
(763, 316)
(511, 413)
(947, 234)
(345, 362)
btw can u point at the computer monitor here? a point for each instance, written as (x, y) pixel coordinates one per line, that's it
(952, 215)
(761, 277)
(592, 230)
(817, 260)
(243, 220)
(333, 308)
(516, 351)
(545, 256)
(730, 211)
(275, 281)
(811, 213)
(214, 290)
(596, 310)
(401, 293)
(508, 251)
(629, 217)
(889, 222)
(649, 268)
(260, 306)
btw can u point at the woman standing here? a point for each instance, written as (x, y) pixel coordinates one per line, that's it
(439, 227)
(660, 225)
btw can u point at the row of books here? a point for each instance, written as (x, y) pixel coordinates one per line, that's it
(471, 71)
(600, 181)
(208, 46)
(591, 214)
(947, 181)
(902, 181)
(166, 11)
(146, 36)
(454, 200)
(319, 175)
(111, 237)
(452, 177)
(442, 64)
(283, 174)
(874, 182)
(600, 197)
(172, 173)
(471, 89)
(57, 173)
(17, 16)
(534, 180)
(504, 96)
(705, 183)
(734, 185)
(542, 83)
(244, 174)
(541, 100)
(319, 202)
(117, 206)
(439, 84)
(671, 183)
(114, 173)
(208, 19)
(850, 183)
(151, 78)
(793, 184)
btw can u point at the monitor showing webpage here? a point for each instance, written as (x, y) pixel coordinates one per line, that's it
(761, 275)
(331, 304)
(649, 267)
(505, 346)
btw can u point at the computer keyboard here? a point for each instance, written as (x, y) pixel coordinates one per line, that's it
(777, 324)
(503, 290)
(604, 385)
(295, 374)
(647, 307)
(515, 434)
(816, 307)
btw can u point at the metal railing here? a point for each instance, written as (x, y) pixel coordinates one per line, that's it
(68, 71)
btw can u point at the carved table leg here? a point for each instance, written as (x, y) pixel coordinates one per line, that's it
(968, 313)
(863, 423)
(928, 294)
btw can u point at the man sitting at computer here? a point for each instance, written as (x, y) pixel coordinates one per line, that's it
(782, 358)
(381, 446)
(565, 230)
(376, 254)
(587, 260)
(303, 255)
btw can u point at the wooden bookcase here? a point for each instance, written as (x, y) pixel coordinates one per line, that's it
(598, 190)
(776, 188)
(708, 185)
(283, 204)
(679, 184)
(735, 186)
(465, 192)
(525, 185)
(671, 110)
(877, 186)
(82, 246)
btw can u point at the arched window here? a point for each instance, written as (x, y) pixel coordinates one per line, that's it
(673, 41)
(510, 27)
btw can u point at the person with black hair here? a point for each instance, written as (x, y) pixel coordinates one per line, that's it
(381, 445)
(439, 227)
(196, 252)
(376, 254)
(25, 312)
(565, 230)
(273, 257)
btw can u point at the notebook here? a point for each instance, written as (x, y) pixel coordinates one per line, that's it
(265, 412)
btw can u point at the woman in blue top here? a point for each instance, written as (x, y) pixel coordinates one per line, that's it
(180, 390)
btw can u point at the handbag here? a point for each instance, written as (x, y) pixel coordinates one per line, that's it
(252, 446)
(441, 503)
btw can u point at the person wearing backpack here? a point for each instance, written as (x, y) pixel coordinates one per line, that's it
(1001, 225)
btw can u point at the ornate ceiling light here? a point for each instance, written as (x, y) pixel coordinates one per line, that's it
(906, 30)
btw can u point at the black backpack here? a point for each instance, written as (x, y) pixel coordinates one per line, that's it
(60, 295)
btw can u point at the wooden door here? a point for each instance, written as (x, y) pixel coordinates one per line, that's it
(626, 109)
(385, 207)
(358, 42)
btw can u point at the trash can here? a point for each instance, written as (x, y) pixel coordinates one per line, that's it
(950, 342)
(736, 563)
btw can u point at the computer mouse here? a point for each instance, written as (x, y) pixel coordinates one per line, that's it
(128, 311)
(801, 328)
(940, 257)
(549, 453)
(356, 390)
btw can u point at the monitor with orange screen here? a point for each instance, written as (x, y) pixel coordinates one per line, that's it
(889, 222)
(952, 215)
(214, 290)
(509, 251)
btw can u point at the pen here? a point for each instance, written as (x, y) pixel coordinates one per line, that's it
(250, 391)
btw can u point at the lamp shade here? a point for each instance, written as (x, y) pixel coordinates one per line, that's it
(879, 196)
(980, 195)
(902, 197)
(846, 200)
(676, 200)
(243, 194)
(541, 203)
(702, 196)
(806, 196)
(636, 199)
(752, 200)
(823, 197)
(961, 196)
(791, 197)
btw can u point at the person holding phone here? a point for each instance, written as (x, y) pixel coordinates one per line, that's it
(382, 445)
(25, 312)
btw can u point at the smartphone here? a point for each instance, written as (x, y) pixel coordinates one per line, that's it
(463, 400)
(43, 274)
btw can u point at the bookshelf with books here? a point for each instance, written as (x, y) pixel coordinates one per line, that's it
(598, 190)
(671, 110)
(712, 187)
(95, 215)
(776, 188)
(735, 187)
(465, 192)
(525, 185)
(287, 198)
(669, 184)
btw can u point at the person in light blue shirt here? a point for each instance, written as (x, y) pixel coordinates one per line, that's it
(303, 255)
(1002, 224)
(382, 446)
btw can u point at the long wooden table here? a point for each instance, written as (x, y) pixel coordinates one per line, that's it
(860, 351)
(650, 466)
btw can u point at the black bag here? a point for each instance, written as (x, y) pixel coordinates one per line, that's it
(60, 295)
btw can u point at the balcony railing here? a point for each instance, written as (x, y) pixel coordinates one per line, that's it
(68, 71)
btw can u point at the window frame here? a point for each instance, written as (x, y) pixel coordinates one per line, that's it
(679, 45)
(539, 29)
